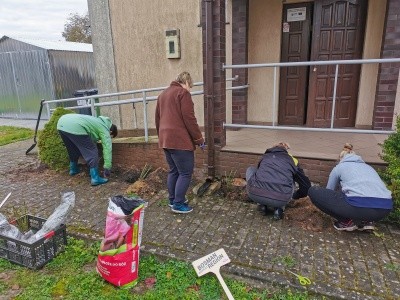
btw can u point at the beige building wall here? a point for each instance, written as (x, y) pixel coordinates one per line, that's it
(138, 35)
(265, 46)
(369, 72)
(138, 29)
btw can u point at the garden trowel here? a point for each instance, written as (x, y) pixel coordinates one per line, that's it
(211, 263)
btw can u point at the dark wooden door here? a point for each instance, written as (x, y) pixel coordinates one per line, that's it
(338, 33)
(296, 36)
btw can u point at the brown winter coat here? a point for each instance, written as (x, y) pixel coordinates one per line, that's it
(176, 123)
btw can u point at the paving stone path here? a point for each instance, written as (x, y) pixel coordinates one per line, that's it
(355, 265)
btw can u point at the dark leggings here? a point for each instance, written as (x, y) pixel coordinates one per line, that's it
(181, 164)
(78, 145)
(334, 204)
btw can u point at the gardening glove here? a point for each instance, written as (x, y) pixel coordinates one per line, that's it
(107, 173)
(202, 146)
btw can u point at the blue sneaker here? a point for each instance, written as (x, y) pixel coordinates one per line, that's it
(181, 208)
(171, 203)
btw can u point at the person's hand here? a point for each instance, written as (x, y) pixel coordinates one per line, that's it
(107, 172)
(202, 146)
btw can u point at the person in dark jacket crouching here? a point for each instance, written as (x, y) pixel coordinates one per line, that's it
(272, 183)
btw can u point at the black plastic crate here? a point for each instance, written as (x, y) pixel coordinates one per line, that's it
(37, 254)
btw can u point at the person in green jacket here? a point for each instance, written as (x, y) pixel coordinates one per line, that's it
(80, 134)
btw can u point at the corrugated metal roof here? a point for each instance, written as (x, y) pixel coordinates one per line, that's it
(54, 45)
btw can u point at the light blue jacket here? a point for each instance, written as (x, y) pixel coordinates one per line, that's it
(358, 180)
(98, 129)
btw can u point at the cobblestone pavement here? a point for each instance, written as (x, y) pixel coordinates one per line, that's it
(343, 265)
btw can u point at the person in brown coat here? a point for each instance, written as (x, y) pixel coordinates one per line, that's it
(178, 134)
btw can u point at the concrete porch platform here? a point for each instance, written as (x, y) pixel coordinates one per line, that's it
(306, 144)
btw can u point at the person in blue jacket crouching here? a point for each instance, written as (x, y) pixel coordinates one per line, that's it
(355, 194)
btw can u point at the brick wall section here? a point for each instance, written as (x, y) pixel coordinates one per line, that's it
(316, 169)
(240, 12)
(233, 162)
(219, 80)
(127, 155)
(388, 73)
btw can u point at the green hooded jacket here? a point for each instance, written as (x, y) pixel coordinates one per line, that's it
(98, 129)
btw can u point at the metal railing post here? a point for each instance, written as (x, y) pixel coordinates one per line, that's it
(146, 130)
(334, 95)
(94, 112)
(48, 109)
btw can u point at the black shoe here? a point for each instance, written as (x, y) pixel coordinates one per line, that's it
(278, 214)
(262, 208)
(365, 225)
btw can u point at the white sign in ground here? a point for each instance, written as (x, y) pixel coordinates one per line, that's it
(211, 263)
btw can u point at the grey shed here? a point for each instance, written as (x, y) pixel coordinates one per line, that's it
(31, 70)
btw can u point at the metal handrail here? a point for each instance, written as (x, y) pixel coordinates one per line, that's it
(308, 63)
(144, 99)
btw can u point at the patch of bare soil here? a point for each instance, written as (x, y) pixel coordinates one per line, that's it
(151, 185)
(233, 192)
(299, 213)
(27, 171)
(304, 214)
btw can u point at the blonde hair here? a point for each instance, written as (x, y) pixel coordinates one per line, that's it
(185, 78)
(347, 149)
(283, 145)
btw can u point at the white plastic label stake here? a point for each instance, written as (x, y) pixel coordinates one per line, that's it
(4, 201)
(211, 263)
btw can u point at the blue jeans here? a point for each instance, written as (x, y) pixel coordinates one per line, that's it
(181, 164)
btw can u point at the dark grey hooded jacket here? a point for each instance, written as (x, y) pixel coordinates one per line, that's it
(276, 175)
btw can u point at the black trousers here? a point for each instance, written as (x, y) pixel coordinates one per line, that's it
(78, 145)
(334, 204)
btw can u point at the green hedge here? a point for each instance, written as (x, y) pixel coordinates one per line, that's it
(391, 175)
(51, 148)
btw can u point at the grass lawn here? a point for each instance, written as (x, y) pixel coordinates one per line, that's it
(10, 134)
(72, 275)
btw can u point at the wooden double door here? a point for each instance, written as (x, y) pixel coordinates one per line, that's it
(318, 31)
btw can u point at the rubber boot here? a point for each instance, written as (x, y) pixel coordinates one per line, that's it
(73, 168)
(95, 177)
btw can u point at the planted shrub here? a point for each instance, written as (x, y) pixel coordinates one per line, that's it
(391, 175)
(51, 148)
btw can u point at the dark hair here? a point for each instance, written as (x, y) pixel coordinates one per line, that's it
(113, 130)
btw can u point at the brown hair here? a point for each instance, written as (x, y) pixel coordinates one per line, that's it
(113, 131)
(185, 78)
(347, 149)
(283, 145)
